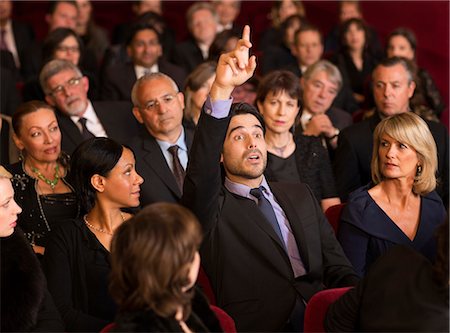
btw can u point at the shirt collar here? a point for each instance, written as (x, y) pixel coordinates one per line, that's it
(141, 70)
(244, 190)
(89, 114)
(181, 142)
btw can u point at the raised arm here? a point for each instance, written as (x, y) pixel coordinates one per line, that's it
(203, 180)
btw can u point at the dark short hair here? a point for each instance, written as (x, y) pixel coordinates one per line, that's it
(407, 34)
(408, 65)
(307, 27)
(238, 109)
(139, 26)
(54, 4)
(278, 81)
(150, 259)
(25, 109)
(98, 155)
(56, 37)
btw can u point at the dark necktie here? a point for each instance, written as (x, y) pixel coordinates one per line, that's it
(85, 133)
(3, 45)
(178, 170)
(267, 210)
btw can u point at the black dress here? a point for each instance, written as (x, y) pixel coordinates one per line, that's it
(40, 212)
(308, 164)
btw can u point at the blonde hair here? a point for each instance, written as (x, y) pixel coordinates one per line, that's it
(413, 131)
(4, 173)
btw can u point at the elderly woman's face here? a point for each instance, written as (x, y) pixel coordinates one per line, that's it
(68, 50)
(355, 37)
(279, 111)
(8, 208)
(39, 136)
(398, 46)
(396, 159)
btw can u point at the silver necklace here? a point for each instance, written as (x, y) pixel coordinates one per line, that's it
(100, 229)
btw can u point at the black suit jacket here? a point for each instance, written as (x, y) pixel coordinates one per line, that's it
(244, 259)
(159, 181)
(118, 79)
(116, 117)
(23, 37)
(354, 154)
(188, 55)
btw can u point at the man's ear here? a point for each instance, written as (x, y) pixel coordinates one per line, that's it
(411, 88)
(221, 158)
(98, 182)
(137, 115)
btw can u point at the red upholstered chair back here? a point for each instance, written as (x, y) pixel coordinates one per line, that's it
(333, 215)
(226, 322)
(317, 307)
(203, 282)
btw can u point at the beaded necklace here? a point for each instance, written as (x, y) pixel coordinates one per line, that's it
(51, 183)
(93, 227)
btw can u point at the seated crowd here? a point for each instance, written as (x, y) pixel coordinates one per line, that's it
(146, 166)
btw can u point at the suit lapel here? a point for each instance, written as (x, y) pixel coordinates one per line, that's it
(155, 160)
(295, 221)
(70, 131)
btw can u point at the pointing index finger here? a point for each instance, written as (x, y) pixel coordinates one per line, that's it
(246, 33)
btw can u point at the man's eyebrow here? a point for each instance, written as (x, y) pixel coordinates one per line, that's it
(239, 127)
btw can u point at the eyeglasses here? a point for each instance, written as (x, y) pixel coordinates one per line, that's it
(154, 103)
(66, 49)
(61, 88)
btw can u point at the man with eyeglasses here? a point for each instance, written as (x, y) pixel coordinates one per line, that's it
(161, 147)
(145, 50)
(79, 119)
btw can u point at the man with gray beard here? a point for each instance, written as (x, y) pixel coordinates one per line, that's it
(79, 119)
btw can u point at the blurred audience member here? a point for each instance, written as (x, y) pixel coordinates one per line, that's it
(198, 85)
(224, 42)
(402, 43)
(15, 36)
(201, 21)
(292, 159)
(145, 51)
(280, 11)
(246, 93)
(280, 55)
(39, 178)
(227, 12)
(321, 84)
(149, 298)
(95, 38)
(65, 44)
(348, 10)
(78, 251)
(356, 60)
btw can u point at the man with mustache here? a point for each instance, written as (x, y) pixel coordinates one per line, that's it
(79, 119)
(267, 247)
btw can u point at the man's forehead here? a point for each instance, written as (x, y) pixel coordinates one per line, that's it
(392, 73)
(62, 75)
(246, 120)
(322, 77)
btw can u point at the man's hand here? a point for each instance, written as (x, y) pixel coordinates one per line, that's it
(319, 124)
(233, 68)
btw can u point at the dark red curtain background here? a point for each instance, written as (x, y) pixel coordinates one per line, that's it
(428, 19)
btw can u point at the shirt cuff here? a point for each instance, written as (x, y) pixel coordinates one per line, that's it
(218, 109)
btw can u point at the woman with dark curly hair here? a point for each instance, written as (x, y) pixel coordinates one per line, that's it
(155, 262)
(77, 258)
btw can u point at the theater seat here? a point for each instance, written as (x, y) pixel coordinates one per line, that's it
(333, 214)
(317, 307)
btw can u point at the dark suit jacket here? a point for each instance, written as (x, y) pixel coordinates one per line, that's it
(160, 184)
(354, 154)
(244, 259)
(188, 55)
(118, 79)
(23, 36)
(116, 117)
